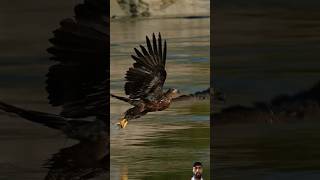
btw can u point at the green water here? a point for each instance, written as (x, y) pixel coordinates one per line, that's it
(162, 145)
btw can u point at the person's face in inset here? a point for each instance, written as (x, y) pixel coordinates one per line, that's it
(197, 171)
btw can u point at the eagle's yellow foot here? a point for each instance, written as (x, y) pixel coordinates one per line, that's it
(122, 123)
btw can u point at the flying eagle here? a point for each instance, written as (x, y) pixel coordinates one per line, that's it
(145, 80)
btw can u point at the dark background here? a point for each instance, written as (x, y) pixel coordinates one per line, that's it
(25, 29)
(260, 50)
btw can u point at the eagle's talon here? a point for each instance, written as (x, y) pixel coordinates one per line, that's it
(122, 123)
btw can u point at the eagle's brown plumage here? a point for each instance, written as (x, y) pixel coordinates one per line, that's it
(147, 76)
(145, 80)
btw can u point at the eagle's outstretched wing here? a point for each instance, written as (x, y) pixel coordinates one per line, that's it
(79, 82)
(147, 76)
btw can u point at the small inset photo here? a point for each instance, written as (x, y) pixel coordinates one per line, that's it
(197, 171)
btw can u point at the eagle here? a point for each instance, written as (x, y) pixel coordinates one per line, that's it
(145, 80)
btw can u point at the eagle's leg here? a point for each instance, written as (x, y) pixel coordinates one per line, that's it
(132, 113)
(122, 123)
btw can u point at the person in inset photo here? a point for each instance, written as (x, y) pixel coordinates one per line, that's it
(197, 171)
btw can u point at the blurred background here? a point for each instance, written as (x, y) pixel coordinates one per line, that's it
(263, 49)
(26, 27)
(162, 145)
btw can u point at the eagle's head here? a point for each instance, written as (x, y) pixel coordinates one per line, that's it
(172, 92)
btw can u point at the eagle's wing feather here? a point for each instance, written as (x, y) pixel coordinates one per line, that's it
(147, 76)
(78, 81)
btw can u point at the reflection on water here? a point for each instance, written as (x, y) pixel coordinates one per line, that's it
(260, 54)
(162, 145)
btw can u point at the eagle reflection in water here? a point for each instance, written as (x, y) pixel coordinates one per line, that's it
(78, 82)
